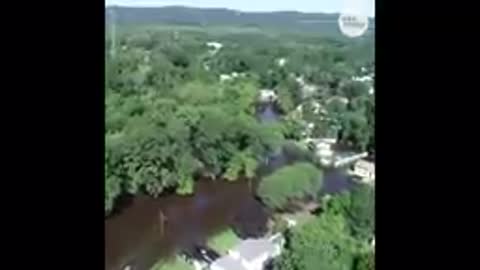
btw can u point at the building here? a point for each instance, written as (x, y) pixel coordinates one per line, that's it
(340, 99)
(366, 78)
(215, 45)
(267, 95)
(227, 263)
(365, 170)
(225, 77)
(306, 89)
(281, 62)
(250, 254)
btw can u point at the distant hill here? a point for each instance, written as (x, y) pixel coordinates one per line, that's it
(286, 20)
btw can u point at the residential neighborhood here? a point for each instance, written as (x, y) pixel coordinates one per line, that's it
(238, 140)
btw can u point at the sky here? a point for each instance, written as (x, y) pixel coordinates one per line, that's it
(361, 7)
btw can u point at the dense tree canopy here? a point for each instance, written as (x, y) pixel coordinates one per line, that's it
(336, 239)
(160, 130)
(358, 206)
(323, 243)
(365, 261)
(168, 115)
(289, 183)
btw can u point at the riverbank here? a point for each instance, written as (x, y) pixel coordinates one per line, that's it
(190, 221)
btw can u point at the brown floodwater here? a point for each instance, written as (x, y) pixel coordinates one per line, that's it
(146, 229)
(138, 237)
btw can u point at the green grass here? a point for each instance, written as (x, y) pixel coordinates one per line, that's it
(223, 241)
(174, 264)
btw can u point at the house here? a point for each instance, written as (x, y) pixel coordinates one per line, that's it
(281, 62)
(318, 108)
(225, 77)
(365, 170)
(250, 254)
(340, 99)
(366, 78)
(371, 91)
(253, 253)
(214, 45)
(306, 89)
(267, 95)
(227, 263)
(322, 148)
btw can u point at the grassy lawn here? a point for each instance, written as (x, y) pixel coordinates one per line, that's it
(174, 264)
(223, 241)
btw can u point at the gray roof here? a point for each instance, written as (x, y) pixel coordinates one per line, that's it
(252, 248)
(229, 263)
(364, 164)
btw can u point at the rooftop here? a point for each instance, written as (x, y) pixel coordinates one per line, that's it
(252, 248)
(229, 263)
(365, 164)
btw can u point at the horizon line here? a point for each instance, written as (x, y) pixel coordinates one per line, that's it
(231, 9)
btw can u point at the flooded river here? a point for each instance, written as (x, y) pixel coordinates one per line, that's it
(149, 228)
(146, 229)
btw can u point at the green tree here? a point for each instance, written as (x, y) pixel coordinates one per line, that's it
(167, 116)
(289, 183)
(365, 261)
(358, 207)
(323, 243)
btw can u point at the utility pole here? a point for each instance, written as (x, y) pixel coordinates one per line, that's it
(163, 219)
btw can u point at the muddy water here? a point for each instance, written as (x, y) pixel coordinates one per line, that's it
(138, 237)
(147, 229)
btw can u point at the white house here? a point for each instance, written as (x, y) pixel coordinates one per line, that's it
(281, 62)
(214, 47)
(318, 108)
(227, 263)
(267, 95)
(323, 149)
(250, 254)
(225, 77)
(365, 169)
(306, 89)
(340, 99)
(366, 78)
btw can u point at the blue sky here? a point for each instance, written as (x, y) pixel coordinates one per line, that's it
(364, 7)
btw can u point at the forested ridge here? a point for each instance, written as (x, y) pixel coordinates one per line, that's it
(319, 23)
